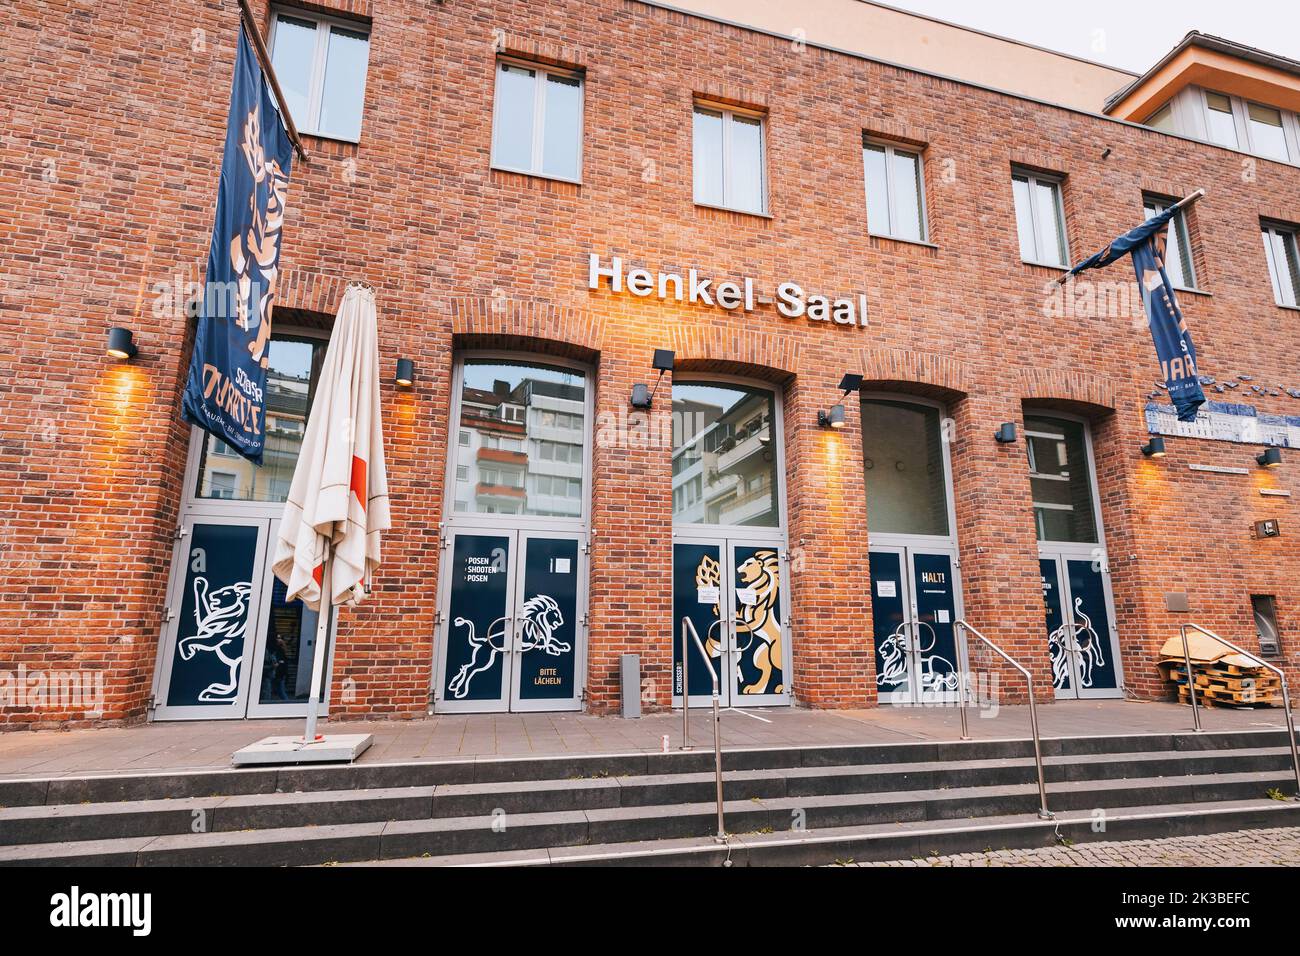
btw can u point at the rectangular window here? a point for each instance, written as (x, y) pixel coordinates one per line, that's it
(1283, 263)
(895, 192)
(729, 161)
(1162, 119)
(1264, 607)
(321, 65)
(1040, 219)
(1267, 137)
(537, 123)
(1178, 247)
(1219, 120)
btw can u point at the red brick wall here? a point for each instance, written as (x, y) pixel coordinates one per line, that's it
(108, 165)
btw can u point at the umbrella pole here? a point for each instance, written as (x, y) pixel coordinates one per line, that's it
(318, 650)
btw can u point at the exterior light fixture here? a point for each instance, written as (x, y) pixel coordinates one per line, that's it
(405, 376)
(120, 343)
(1155, 448)
(834, 416)
(643, 395)
(1006, 433)
(1271, 458)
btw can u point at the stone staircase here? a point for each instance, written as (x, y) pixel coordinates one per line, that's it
(785, 806)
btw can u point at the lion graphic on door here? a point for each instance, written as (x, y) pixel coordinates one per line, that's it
(758, 624)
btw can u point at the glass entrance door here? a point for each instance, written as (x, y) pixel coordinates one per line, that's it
(509, 623)
(914, 601)
(1077, 604)
(731, 591)
(1080, 635)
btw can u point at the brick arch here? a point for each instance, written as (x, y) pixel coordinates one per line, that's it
(491, 321)
(940, 377)
(756, 354)
(310, 291)
(1085, 394)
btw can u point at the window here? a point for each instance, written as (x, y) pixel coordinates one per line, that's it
(902, 452)
(462, 472)
(1040, 219)
(537, 123)
(729, 160)
(1283, 263)
(534, 465)
(1163, 119)
(1178, 247)
(1264, 607)
(895, 192)
(1060, 480)
(321, 65)
(736, 481)
(293, 367)
(1267, 137)
(1219, 120)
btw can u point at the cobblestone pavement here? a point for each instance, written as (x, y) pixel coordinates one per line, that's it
(1278, 847)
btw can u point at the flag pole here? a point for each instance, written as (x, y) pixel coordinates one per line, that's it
(264, 58)
(1181, 204)
(318, 649)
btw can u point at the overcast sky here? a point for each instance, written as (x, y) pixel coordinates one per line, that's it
(1130, 34)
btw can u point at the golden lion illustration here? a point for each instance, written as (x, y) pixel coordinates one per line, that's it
(761, 574)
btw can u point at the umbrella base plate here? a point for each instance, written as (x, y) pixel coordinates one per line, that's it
(331, 748)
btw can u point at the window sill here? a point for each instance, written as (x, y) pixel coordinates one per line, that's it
(739, 212)
(325, 139)
(901, 241)
(1190, 291)
(1045, 265)
(1289, 308)
(533, 175)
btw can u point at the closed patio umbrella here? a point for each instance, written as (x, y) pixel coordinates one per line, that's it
(328, 544)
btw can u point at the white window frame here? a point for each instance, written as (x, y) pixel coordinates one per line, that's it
(890, 149)
(1273, 232)
(539, 116)
(310, 124)
(1059, 183)
(1241, 123)
(728, 115)
(1160, 204)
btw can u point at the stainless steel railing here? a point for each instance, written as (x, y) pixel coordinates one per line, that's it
(963, 685)
(688, 627)
(1286, 696)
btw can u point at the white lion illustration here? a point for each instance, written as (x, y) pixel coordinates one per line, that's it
(937, 673)
(220, 619)
(541, 619)
(1064, 641)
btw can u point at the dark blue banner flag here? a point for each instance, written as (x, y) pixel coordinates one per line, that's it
(226, 390)
(1146, 245)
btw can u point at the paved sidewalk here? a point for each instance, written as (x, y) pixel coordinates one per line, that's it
(1279, 847)
(209, 744)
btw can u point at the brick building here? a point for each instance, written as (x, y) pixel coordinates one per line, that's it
(543, 195)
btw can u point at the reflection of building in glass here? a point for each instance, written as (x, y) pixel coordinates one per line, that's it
(724, 465)
(226, 474)
(520, 448)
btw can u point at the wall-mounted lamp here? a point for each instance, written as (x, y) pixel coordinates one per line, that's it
(405, 376)
(834, 416)
(1271, 458)
(120, 343)
(1155, 448)
(1006, 433)
(643, 395)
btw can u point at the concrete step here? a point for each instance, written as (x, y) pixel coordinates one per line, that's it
(123, 819)
(893, 841)
(118, 787)
(513, 832)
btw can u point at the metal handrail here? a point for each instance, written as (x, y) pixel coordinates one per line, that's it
(1286, 696)
(688, 626)
(964, 689)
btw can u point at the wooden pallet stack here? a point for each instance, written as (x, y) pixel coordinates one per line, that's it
(1222, 677)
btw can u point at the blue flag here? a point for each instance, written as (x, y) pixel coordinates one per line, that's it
(1146, 245)
(226, 389)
